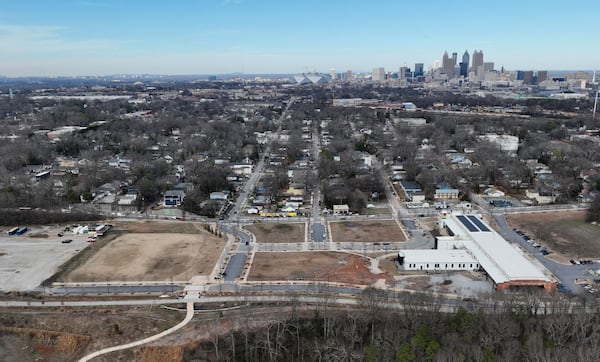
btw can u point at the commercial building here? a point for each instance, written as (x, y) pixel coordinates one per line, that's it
(505, 264)
(173, 197)
(378, 74)
(477, 61)
(464, 65)
(470, 245)
(437, 260)
(448, 65)
(419, 69)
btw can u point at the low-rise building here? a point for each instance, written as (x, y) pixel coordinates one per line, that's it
(446, 193)
(218, 196)
(437, 260)
(341, 209)
(173, 197)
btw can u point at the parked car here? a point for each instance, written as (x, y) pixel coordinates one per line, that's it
(66, 241)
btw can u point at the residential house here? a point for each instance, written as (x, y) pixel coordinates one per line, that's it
(173, 197)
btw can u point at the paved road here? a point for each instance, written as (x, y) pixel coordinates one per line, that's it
(318, 231)
(99, 288)
(235, 266)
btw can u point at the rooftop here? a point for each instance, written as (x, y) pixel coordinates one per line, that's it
(502, 261)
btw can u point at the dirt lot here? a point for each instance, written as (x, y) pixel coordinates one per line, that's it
(152, 256)
(366, 231)
(323, 266)
(565, 233)
(277, 232)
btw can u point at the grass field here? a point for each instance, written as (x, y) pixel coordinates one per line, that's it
(366, 231)
(277, 232)
(316, 265)
(566, 233)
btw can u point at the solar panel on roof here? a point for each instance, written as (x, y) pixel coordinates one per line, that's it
(475, 220)
(467, 223)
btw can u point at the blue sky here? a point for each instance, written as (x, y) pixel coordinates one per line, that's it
(97, 37)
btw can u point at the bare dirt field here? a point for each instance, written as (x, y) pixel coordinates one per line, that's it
(366, 231)
(152, 256)
(321, 266)
(277, 232)
(565, 233)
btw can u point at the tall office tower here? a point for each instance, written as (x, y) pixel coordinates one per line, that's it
(436, 65)
(477, 60)
(333, 74)
(464, 65)
(378, 74)
(403, 71)
(454, 58)
(447, 66)
(348, 74)
(419, 70)
(488, 66)
(542, 75)
(526, 76)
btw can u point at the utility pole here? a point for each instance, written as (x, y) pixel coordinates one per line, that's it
(595, 104)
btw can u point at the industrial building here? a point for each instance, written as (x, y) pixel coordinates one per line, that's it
(473, 245)
(437, 260)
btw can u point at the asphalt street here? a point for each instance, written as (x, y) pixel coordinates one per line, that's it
(236, 263)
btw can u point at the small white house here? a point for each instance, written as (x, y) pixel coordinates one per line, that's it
(341, 209)
(218, 196)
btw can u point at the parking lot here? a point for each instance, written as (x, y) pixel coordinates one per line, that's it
(29, 259)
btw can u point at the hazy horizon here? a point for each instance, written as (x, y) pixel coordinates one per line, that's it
(106, 37)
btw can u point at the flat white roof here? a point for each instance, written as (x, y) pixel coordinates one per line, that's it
(439, 256)
(502, 261)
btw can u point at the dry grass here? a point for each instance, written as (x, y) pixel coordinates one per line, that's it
(152, 257)
(366, 231)
(277, 232)
(565, 233)
(388, 265)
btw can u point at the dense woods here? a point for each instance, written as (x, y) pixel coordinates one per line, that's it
(541, 329)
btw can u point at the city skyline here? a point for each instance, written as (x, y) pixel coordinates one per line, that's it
(110, 37)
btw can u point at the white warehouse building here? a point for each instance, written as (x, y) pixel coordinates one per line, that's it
(437, 260)
(473, 245)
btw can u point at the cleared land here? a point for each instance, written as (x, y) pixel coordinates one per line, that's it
(366, 231)
(277, 232)
(147, 256)
(320, 266)
(565, 233)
